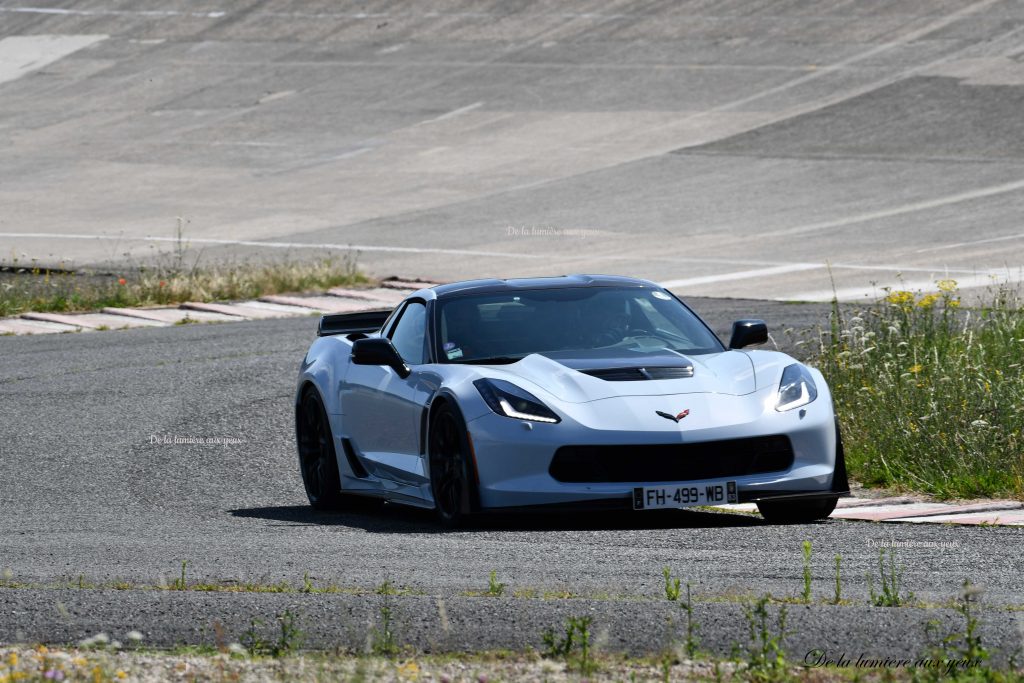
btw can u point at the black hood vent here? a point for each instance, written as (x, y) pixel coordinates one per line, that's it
(640, 374)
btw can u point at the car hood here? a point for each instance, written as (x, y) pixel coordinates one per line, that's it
(563, 375)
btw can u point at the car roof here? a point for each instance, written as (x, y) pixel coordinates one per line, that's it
(560, 282)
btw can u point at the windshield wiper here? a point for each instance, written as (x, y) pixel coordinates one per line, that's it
(493, 360)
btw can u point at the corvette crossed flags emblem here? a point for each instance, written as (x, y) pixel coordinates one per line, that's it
(674, 418)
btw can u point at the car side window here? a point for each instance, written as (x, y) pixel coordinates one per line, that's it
(409, 334)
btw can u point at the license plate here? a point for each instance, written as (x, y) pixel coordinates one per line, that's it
(692, 494)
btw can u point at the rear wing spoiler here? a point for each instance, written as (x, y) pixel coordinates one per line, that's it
(344, 323)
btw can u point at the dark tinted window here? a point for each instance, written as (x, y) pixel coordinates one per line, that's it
(513, 324)
(409, 334)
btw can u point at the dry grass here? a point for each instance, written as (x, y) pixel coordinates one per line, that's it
(172, 281)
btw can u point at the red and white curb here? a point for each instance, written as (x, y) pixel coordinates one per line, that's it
(336, 300)
(902, 509)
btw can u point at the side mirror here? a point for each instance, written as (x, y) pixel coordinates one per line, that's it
(379, 351)
(748, 333)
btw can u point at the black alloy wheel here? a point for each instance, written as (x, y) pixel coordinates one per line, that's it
(316, 453)
(449, 467)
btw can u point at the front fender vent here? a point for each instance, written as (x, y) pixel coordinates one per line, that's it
(640, 374)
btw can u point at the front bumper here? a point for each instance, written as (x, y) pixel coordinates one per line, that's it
(513, 457)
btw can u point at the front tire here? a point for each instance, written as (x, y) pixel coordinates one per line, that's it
(796, 512)
(317, 460)
(450, 463)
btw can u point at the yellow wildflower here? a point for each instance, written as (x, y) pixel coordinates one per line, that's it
(900, 297)
(946, 285)
(12, 659)
(915, 368)
(121, 674)
(928, 300)
(409, 670)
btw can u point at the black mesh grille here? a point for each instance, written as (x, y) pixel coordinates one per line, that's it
(670, 373)
(640, 374)
(672, 462)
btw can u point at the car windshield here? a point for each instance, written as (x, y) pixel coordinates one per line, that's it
(507, 326)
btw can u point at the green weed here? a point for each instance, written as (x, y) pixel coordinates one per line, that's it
(806, 594)
(180, 584)
(930, 393)
(692, 641)
(290, 637)
(384, 640)
(494, 587)
(766, 658)
(577, 637)
(839, 583)
(672, 586)
(891, 588)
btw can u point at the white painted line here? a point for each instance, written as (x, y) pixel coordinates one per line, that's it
(861, 56)
(960, 245)
(276, 96)
(941, 272)
(875, 291)
(351, 153)
(20, 55)
(273, 245)
(742, 275)
(229, 143)
(452, 114)
(900, 210)
(110, 12)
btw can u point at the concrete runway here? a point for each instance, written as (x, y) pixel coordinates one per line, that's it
(731, 148)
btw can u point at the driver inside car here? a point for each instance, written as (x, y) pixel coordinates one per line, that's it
(606, 320)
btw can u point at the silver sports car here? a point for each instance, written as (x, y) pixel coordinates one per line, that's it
(578, 391)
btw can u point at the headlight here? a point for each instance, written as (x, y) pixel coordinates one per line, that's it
(507, 399)
(796, 388)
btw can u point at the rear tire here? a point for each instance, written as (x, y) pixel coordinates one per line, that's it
(796, 512)
(317, 460)
(450, 455)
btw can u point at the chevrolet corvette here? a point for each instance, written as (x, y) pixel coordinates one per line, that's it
(543, 394)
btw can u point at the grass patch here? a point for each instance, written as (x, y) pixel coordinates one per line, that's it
(172, 281)
(210, 664)
(930, 394)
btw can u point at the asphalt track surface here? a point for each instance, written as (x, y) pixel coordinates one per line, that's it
(734, 148)
(90, 492)
(730, 149)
